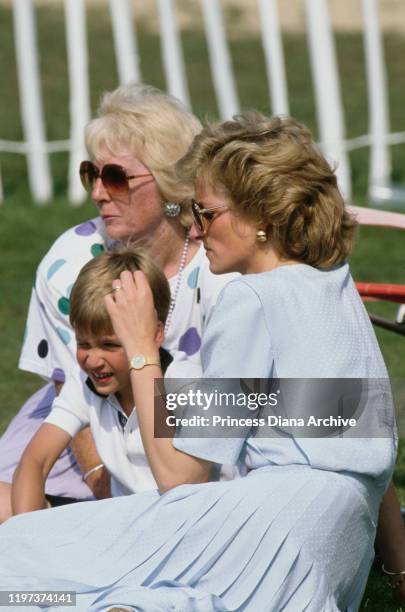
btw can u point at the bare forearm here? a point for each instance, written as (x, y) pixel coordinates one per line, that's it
(87, 457)
(391, 532)
(391, 538)
(135, 322)
(27, 492)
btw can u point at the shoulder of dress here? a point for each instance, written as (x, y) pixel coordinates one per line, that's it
(75, 246)
(239, 291)
(91, 231)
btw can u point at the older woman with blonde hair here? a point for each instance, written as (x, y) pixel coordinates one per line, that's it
(297, 532)
(133, 144)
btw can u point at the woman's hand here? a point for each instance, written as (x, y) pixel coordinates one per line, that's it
(133, 314)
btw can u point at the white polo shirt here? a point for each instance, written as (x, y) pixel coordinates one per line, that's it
(116, 436)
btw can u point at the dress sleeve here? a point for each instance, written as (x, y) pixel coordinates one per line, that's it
(49, 343)
(236, 345)
(70, 409)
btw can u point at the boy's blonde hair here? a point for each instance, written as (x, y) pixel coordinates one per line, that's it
(88, 314)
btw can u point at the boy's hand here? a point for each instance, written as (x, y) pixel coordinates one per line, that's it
(133, 315)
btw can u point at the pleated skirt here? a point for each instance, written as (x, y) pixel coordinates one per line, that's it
(284, 538)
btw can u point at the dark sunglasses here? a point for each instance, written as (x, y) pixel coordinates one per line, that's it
(203, 217)
(113, 177)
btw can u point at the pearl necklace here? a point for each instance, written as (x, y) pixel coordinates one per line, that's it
(178, 282)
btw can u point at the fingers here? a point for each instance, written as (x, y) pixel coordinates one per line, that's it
(131, 308)
(109, 302)
(127, 281)
(131, 285)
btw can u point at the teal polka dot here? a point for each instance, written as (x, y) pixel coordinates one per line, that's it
(193, 278)
(55, 267)
(63, 335)
(64, 305)
(97, 249)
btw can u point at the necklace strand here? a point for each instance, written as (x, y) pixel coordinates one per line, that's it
(178, 282)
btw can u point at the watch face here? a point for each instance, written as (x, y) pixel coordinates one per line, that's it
(138, 362)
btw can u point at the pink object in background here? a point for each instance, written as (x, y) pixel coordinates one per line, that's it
(368, 216)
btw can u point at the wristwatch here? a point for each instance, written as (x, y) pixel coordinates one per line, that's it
(140, 361)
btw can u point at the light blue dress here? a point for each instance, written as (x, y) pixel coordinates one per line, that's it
(295, 534)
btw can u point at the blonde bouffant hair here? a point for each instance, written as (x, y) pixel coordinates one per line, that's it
(275, 176)
(88, 314)
(154, 126)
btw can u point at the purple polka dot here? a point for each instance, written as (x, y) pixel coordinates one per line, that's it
(43, 349)
(58, 375)
(86, 229)
(190, 342)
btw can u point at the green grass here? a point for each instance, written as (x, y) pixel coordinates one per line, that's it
(27, 231)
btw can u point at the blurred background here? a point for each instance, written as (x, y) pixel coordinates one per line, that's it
(337, 65)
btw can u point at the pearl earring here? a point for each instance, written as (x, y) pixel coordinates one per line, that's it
(172, 209)
(261, 236)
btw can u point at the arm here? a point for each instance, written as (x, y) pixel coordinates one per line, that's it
(87, 457)
(391, 538)
(134, 319)
(28, 488)
(49, 344)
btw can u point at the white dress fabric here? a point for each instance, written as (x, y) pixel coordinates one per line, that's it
(49, 347)
(295, 534)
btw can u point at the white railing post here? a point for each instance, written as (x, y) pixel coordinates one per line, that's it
(220, 60)
(273, 55)
(380, 159)
(327, 90)
(172, 54)
(76, 38)
(31, 100)
(125, 42)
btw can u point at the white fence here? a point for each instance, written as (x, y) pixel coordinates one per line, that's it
(329, 109)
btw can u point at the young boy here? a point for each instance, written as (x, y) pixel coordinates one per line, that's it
(104, 400)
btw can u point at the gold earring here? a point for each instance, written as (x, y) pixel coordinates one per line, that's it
(261, 236)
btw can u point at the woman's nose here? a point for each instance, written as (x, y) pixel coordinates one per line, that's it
(195, 232)
(99, 193)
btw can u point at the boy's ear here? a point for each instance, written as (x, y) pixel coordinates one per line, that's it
(160, 333)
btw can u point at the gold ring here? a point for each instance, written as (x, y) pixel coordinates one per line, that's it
(117, 288)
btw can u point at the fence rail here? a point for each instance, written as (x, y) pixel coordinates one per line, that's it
(325, 76)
